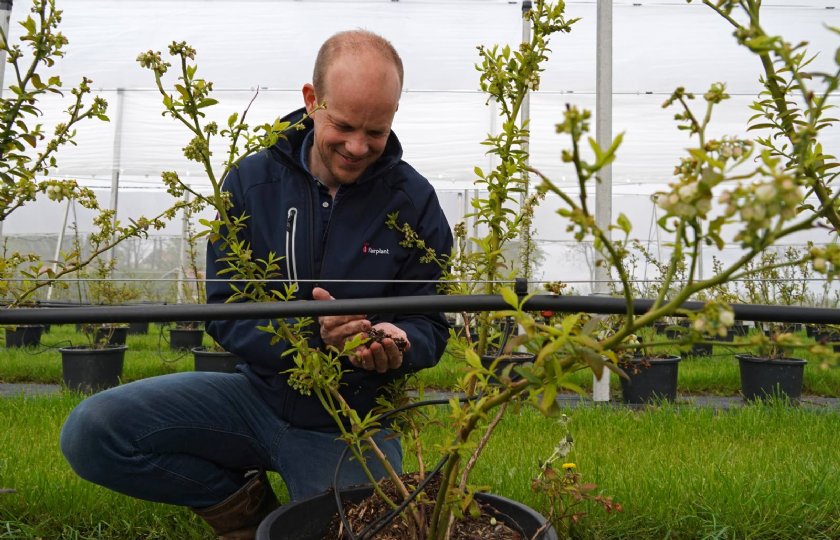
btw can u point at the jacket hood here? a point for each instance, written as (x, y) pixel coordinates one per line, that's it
(289, 148)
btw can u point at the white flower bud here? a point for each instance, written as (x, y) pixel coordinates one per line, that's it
(765, 192)
(687, 191)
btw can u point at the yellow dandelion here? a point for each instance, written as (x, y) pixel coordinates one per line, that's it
(569, 466)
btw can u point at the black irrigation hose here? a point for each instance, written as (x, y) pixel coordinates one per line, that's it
(396, 305)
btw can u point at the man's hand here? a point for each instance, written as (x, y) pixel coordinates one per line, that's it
(337, 329)
(384, 355)
(376, 356)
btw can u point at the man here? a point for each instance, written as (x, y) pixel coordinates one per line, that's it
(319, 198)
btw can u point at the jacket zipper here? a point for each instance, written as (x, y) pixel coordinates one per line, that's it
(309, 193)
(291, 233)
(327, 232)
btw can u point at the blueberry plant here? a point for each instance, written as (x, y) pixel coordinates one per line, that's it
(29, 153)
(750, 192)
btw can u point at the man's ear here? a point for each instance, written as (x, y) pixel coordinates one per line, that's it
(310, 100)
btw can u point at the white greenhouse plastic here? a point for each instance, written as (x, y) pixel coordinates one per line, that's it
(245, 45)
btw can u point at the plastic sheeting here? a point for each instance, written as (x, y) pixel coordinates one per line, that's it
(245, 45)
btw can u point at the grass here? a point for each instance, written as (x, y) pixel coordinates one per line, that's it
(760, 471)
(147, 355)
(757, 471)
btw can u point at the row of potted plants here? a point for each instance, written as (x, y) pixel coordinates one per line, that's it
(99, 365)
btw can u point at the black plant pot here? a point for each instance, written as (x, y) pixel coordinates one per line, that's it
(207, 360)
(781, 328)
(111, 335)
(701, 349)
(737, 330)
(90, 370)
(138, 328)
(816, 330)
(518, 359)
(24, 335)
(309, 519)
(823, 335)
(185, 339)
(650, 379)
(770, 377)
(677, 331)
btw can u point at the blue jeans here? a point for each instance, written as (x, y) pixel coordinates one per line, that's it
(187, 439)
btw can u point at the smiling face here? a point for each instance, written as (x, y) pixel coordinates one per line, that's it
(362, 92)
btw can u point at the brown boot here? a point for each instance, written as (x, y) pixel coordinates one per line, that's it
(237, 517)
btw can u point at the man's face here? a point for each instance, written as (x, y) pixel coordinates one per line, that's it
(362, 94)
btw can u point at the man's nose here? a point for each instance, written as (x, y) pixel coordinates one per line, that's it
(357, 146)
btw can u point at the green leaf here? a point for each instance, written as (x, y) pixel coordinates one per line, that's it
(548, 398)
(624, 223)
(29, 24)
(206, 102)
(510, 297)
(472, 358)
(29, 139)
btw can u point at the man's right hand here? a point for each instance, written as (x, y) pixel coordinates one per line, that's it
(337, 329)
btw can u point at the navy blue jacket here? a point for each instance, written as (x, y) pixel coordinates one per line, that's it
(280, 199)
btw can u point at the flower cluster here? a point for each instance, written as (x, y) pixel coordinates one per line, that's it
(825, 259)
(715, 319)
(762, 204)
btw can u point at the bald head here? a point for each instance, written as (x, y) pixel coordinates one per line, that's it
(355, 43)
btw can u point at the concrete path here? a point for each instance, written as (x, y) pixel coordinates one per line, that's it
(28, 389)
(568, 400)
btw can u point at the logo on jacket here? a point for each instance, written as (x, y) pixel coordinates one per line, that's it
(373, 251)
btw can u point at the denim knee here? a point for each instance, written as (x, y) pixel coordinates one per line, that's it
(87, 440)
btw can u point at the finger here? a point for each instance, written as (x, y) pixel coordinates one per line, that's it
(379, 360)
(340, 334)
(337, 321)
(392, 353)
(321, 294)
(345, 325)
(365, 359)
(356, 358)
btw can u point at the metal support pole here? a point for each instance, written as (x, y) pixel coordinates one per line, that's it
(525, 117)
(116, 159)
(603, 136)
(58, 244)
(182, 261)
(5, 15)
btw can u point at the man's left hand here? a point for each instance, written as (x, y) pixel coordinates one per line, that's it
(384, 356)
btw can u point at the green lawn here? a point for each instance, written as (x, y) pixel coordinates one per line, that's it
(761, 471)
(757, 471)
